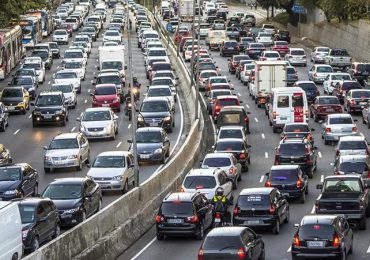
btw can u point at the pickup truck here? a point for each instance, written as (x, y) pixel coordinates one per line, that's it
(233, 33)
(338, 58)
(347, 195)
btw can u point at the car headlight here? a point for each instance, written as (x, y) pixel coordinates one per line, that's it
(75, 156)
(59, 112)
(47, 158)
(82, 128)
(140, 118)
(71, 211)
(116, 100)
(21, 104)
(167, 118)
(159, 150)
(11, 192)
(108, 128)
(25, 233)
(117, 178)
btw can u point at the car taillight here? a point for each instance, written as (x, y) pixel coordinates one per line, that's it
(192, 219)
(200, 254)
(159, 218)
(263, 58)
(361, 205)
(354, 129)
(182, 189)
(274, 114)
(299, 183)
(242, 156)
(336, 241)
(296, 240)
(268, 183)
(241, 253)
(218, 215)
(236, 211)
(272, 210)
(232, 170)
(328, 130)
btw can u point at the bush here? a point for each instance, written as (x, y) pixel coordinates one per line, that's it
(282, 18)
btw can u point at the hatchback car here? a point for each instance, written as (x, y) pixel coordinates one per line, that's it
(222, 101)
(338, 125)
(231, 132)
(323, 106)
(68, 77)
(356, 99)
(238, 147)
(270, 56)
(28, 82)
(233, 116)
(352, 145)
(106, 95)
(343, 87)
(297, 130)
(15, 99)
(70, 98)
(76, 199)
(76, 66)
(229, 48)
(352, 164)
(65, 151)
(318, 54)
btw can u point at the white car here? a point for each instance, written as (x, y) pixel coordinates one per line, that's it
(207, 181)
(265, 38)
(86, 46)
(157, 53)
(112, 36)
(166, 73)
(245, 75)
(60, 36)
(68, 77)
(226, 162)
(204, 76)
(270, 56)
(296, 56)
(188, 53)
(98, 123)
(318, 54)
(70, 97)
(319, 72)
(37, 64)
(162, 91)
(76, 66)
(83, 38)
(113, 170)
(74, 55)
(332, 79)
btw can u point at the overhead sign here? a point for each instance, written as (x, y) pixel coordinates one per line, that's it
(169, 27)
(298, 9)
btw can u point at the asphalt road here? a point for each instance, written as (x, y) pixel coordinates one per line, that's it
(263, 142)
(26, 143)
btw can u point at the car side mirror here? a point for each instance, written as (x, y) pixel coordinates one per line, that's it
(331, 164)
(45, 147)
(267, 174)
(312, 129)
(355, 120)
(43, 219)
(296, 225)
(319, 186)
(78, 119)
(131, 166)
(129, 141)
(248, 113)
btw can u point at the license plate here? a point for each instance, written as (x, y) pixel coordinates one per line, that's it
(58, 162)
(217, 220)
(285, 194)
(251, 222)
(11, 108)
(230, 48)
(315, 243)
(105, 105)
(175, 220)
(329, 110)
(48, 116)
(153, 124)
(145, 156)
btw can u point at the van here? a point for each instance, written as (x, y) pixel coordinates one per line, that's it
(11, 246)
(287, 105)
(233, 116)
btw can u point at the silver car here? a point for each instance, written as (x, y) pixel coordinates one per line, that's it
(296, 56)
(67, 150)
(352, 164)
(99, 122)
(352, 145)
(318, 73)
(338, 125)
(318, 54)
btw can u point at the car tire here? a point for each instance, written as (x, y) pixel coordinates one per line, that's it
(100, 206)
(302, 199)
(200, 232)
(83, 216)
(47, 170)
(274, 129)
(276, 227)
(2, 129)
(79, 166)
(326, 142)
(306, 190)
(35, 190)
(262, 255)
(35, 244)
(163, 160)
(160, 237)
(125, 188)
(56, 231)
(362, 224)
(287, 217)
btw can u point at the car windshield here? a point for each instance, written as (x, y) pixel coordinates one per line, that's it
(329, 101)
(63, 144)
(323, 50)
(338, 185)
(292, 149)
(284, 175)
(229, 146)
(66, 75)
(341, 77)
(149, 137)
(111, 33)
(308, 87)
(96, 116)
(361, 94)
(218, 80)
(24, 73)
(110, 161)
(10, 174)
(297, 52)
(217, 162)
(12, 93)
(230, 44)
(36, 66)
(206, 75)
(63, 191)
(320, 231)
(109, 79)
(324, 69)
(159, 92)
(352, 145)
(230, 133)
(73, 65)
(62, 88)
(340, 120)
(164, 74)
(52, 100)
(350, 167)
(60, 33)
(112, 65)
(297, 128)
(248, 201)
(41, 54)
(158, 82)
(363, 67)
(220, 243)
(199, 182)
(27, 213)
(73, 54)
(102, 91)
(157, 53)
(154, 106)
(177, 208)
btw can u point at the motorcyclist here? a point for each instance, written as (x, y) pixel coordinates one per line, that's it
(220, 203)
(136, 88)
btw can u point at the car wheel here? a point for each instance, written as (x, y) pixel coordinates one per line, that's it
(306, 190)
(262, 255)
(200, 232)
(100, 206)
(35, 244)
(35, 190)
(287, 217)
(274, 129)
(56, 231)
(63, 123)
(46, 170)
(2, 129)
(160, 236)
(79, 166)
(276, 227)
(163, 160)
(83, 216)
(326, 142)
(362, 224)
(125, 188)
(302, 199)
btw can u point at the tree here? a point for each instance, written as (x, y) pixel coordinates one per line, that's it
(288, 6)
(267, 4)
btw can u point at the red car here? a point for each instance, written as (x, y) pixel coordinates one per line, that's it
(234, 62)
(179, 34)
(106, 95)
(67, 27)
(222, 101)
(325, 105)
(281, 47)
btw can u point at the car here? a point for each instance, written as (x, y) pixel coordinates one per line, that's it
(36, 64)
(203, 77)
(45, 55)
(352, 145)
(310, 88)
(152, 145)
(226, 162)
(297, 151)
(106, 95)
(60, 36)
(244, 42)
(332, 235)
(292, 75)
(270, 56)
(281, 47)
(99, 123)
(356, 99)
(212, 96)
(236, 146)
(336, 126)
(111, 76)
(265, 38)
(113, 171)
(27, 72)
(332, 79)
(222, 101)
(264, 208)
(67, 150)
(342, 87)
(162, 91)
(76, 66)
(83, 45)
(4, 121)
(352, 164)
(184, 214)
(75, 54)
(15, 99)
(18, 180)
(222, 242)
(235, 60)
(282, 35)
(91, 31)
(68, 77)
(360, 71)
(366, 114)
(112, 35)
(318, 54)
(246, 73)
(29, 83)
(296, 56)
(319, 72)
(55, 50)
(40, 221)
(289, 180)
(229, 48)
(323, 106)
(70, 97)
(297, 130)
(156, 111)
(50, 107)
(249, 19)
(233, 116)
(76, 199)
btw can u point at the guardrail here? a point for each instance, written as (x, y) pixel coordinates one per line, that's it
(112, 230)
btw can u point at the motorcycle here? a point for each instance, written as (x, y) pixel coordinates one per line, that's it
(128, 108)
(218, 220)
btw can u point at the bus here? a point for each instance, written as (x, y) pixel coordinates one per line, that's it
(46, 21)
(31, 30)
(11, 49)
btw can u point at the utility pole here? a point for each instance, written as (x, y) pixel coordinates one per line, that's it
(197, 72)
(192, 44)
(179, 16)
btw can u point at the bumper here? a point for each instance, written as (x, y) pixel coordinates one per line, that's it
(40, 119)
(16, 109)
(230, 52)
(298, 62)
(254, 222)
(61, 164)
(111, 185)
(97, 135)
(336, 136)
(9, 197)
(292, 194)
(115, 106)
(254, 56)
(70, 219)
(356, 108)
(165, 125)
(153, 157)
(319, 79)
(310, 253)
(189, 230)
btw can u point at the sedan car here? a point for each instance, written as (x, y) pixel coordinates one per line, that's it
(106, 95)
(352, 164)
(319, 72)
(281, 46)
(270, 56)
(338, 125)
(76, 66)
(236, 146)
(75, 198)
(68, 77)
(323, 106)
(356, 99)
(296, 56)
(318, 54)
(60, 36)
(15, 99)
(70, 98)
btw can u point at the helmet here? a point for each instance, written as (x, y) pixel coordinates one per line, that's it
(219, 191)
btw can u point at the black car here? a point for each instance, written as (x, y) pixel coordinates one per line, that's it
(5, 157)
(326, 236)
(27, 82)
(236, 146)
(310, 88)
(153, 144)
(156, 111)
(297, 130)
(18, 181)
(40, 222)
(75, 198)
(50, 107)
(244, 42)
(292, 75)
(264, 208)
(55, 50)
(229, 48)
(282, 36)
(45, 56)
(289, 180)
(221, 243)
(4, 118)
(184, 214)
(297, 151)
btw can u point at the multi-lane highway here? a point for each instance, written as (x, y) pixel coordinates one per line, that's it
(263, 142)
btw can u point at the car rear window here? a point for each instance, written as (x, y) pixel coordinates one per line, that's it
(292, 149)
(363, 67)
(228, 102)
(351, 85)
(245, 201)
(239, 58)
(217, 162)
(340, 120)
(361, 94)
(200, 182)
(219, 243)
(230, 133)
(229, 146)
(272, 54)
(349, 167)
(177, 208)
(324, 69)
(291, 71)
(284, 175)
(319, 231)
(352, 145)
(297, 128)
(308, 87)
(231, 44)
(230, 118)
(328, 101)
(297, 52)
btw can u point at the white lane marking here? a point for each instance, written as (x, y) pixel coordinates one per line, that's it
(313, 210)
(261, 179)
(266, 155)
(85, 101)
(368, 250)
(119, 144)
(73, 128)
(263, 136)
(129, 126)
(49, 83)
(239, 94)
(88, 91)
(322, 179)
(289, 249)
(57, 67)
(256, 119)
(16, 132)
(81, 114)
(30, 116)
(92, 81)
(247, 105)
(142, 250)
(319, 154)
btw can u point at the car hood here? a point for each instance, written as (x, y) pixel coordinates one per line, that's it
(148, 147)
(62, 152)
(16, 100)
(27, 87)
(49, 109)
(27, 226)
(105, 97)
(155, 114)
(105, 172)
(98, 124)
(68, 81)
(67, 204)
(9, 185)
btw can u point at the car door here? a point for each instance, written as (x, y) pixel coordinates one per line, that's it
(130, 172)
(250, 243)
(166, 141)
(87, 199)
(50, 218)
(27, 186)
(225, 183)
(279, 202)
(84, 147)
(42, 222)
(92, 191)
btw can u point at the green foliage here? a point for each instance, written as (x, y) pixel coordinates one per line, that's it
(282, 18)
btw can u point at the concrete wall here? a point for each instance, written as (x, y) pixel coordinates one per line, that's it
(111, 231)
(353, 37)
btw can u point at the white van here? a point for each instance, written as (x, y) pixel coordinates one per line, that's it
(11, 246)
(287, 105)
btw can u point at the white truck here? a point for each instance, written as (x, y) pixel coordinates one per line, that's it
(112, 57)
(186, 10)
(268, 76)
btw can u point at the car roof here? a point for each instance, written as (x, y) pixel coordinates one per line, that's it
(66, 136)
(347, 176)
(256, 191)
(284, 167)
(32, 201)
(318, 219)
(202, 172)
(233, 127)
(353, 158)
(92, 109)
(352, 138)
(149, 129)
(179, 196)
(226, 231)
(69, 180)
(225, 140)
(218, 155)
(114, 153)
(54, 93)
(227, 97)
